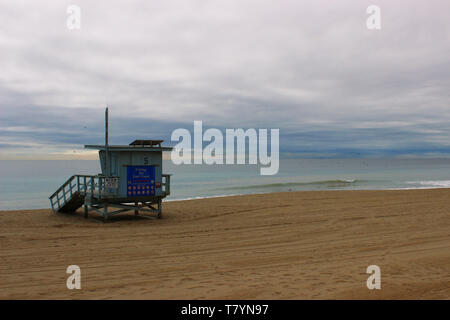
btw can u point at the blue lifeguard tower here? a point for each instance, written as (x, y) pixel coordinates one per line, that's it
(131, 179)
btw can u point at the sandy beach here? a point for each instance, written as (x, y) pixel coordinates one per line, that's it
(295, 245)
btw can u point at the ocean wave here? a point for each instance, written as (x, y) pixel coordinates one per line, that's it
(432, 183)
(204, 197)
(321, 183)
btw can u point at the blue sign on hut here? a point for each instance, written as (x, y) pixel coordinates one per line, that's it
(132, 179)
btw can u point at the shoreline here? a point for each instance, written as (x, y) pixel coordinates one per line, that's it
(262, 193)
(287, 245)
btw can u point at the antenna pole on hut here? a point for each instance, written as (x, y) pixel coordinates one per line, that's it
(108, 167)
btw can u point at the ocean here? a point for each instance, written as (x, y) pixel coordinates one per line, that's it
(27, 184)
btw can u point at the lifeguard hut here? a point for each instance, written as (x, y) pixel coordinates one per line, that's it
(131, 179)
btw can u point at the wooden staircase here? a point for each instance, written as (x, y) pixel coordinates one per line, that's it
(72, 204)
(71, 194)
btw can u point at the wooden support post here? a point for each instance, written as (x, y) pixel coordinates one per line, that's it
(159, 208)
(105, 212)
(136, 210)
(85, 209)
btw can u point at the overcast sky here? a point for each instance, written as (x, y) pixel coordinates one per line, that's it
(310, 68)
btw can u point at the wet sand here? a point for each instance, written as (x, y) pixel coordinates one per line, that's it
(295, 245)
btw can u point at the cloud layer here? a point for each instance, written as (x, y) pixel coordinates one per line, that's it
(310, 68)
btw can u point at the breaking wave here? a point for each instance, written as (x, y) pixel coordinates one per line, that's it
(432, 184)
(322, 184)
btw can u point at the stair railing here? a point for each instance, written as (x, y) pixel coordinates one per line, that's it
(91, 185)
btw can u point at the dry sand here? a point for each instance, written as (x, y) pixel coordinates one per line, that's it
(297, 245)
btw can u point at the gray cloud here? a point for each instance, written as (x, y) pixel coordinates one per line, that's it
(310, 68)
